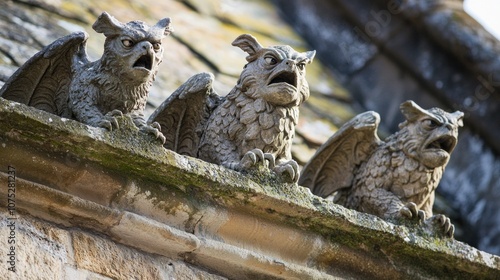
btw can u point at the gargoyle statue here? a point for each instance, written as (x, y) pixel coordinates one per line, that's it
(393, 179)
(254, 124)
(61, 80)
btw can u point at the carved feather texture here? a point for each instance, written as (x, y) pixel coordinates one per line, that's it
(43, 81)
(184, 114)
(380, 179)
(243, 123)
(60, 78)
(260, 112)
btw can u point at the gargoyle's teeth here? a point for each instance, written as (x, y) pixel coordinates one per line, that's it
(446, 143)
(285, 77)
(144, 61)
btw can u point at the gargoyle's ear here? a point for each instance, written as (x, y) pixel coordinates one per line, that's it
(164, 26)
(248, 44)
(412, 111)
(107, 25)
(460, 117)
(310, 56)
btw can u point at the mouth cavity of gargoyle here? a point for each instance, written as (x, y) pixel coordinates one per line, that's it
(145, 61)
(446, 143)
(285, 77)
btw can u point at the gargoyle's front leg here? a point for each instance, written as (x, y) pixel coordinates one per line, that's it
(153, 129)
(387, 205)
(254, 157)
(437, 223)
(290, 168)
(109, 121)
(84, 110)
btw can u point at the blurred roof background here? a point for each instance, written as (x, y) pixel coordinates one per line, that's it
(372, 55)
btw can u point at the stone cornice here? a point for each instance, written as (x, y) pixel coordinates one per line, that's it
(125, 186)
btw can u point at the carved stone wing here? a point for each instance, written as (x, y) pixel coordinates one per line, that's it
(43, 81)
(183, 115)
(334, 165)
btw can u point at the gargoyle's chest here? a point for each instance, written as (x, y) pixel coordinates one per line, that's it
(253, 124)
(414, 184)
(119, 96)
(123, 101)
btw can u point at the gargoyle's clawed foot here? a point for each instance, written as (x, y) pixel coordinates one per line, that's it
(155, 130)
(442, 223)
(411, 211)
(290, 168)
(256, 156)
(109, 120)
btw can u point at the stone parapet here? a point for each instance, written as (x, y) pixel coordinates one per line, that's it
(123, 190)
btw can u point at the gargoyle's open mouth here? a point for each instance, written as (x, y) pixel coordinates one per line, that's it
(446, 143)
(285, 77)
(144, 61)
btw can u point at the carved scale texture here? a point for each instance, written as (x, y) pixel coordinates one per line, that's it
(242, 123)
(391, 178)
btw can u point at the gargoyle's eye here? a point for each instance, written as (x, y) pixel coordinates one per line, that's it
(156, 46)
(301, 66)
(430, 124)
(127, 43)
(270, 60)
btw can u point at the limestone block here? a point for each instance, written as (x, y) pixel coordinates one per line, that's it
(180, 270)
(258, 235)
(109, 259)
(102, 256)
(159, 203)
(41, 249)
(64, 172)
(73, 273)
(152, 236)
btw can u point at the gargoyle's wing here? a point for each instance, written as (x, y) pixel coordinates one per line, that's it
(333, 166)
(43, 81)
(183, 115)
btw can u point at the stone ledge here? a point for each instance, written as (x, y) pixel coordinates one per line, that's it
(240, 226)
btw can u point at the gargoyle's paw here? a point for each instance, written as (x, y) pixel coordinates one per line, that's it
(291, 169)
(156, 125)
(411, 212)
(451, 232)
(444, 224)
(154, 131)
(251, 158)
(115, 113)
(106, 124)
(270, 158)
(248, 160)
(109, 122)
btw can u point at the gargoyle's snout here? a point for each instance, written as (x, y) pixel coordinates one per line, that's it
(285, 77)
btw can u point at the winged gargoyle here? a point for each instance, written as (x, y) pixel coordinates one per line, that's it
(393, 179)
(254, 124)
(61, 80)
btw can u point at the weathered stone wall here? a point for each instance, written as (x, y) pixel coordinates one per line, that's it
(44, 250)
